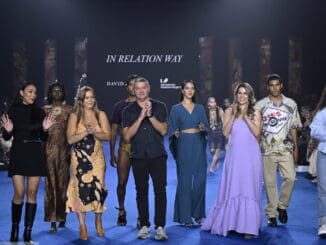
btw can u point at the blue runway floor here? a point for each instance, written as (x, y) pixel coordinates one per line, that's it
(300, 229)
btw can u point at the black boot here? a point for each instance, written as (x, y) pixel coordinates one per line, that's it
(16, 213)
(29, 220)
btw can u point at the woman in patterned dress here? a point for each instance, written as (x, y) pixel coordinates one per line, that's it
(87, 127)
(215, 135)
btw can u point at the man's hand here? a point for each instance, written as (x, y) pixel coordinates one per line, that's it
(148, 107)
(295, 155)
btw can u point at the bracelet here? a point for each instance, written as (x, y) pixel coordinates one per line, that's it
(150, 115)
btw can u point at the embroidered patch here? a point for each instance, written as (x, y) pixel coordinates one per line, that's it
(275, 120)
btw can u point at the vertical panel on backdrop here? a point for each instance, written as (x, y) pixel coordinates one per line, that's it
(20, 61)
(235, 63)
(80, 67)
(295, 67)
(206, 68)
(265, 65)
(50, 64)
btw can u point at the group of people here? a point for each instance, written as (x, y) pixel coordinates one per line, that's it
(75, 176)
(261, 138)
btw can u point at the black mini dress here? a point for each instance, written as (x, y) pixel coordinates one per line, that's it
(27, 155)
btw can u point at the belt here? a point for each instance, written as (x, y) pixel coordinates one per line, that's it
(29, 141)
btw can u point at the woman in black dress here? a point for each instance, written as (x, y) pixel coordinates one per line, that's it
(27, 123)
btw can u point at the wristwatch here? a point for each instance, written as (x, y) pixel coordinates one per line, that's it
(151, 115)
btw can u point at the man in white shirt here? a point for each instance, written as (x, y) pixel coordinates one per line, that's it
(279, 143)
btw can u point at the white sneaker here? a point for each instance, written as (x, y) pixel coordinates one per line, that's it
(160, 234)
(314, 180)
(144, 233)
(322, 231)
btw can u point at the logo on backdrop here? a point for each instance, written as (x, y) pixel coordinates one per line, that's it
(144, 58)
(115, 83)
(164, 84)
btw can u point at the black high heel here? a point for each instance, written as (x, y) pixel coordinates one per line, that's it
(122, 219)
(62, 224)
(53, 227)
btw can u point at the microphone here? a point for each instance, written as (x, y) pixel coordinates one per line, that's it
(83, 77)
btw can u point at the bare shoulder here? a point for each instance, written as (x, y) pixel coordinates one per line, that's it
(257, 111)
(102, 114)
(73, 116)
(257, 115)
(228, 111)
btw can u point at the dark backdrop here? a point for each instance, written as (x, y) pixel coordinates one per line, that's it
(131, 26)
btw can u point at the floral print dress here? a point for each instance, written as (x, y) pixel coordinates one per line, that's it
(86, 189)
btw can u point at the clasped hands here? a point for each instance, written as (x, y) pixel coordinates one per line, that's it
(92, 128)
(243, 109)
(146, 110)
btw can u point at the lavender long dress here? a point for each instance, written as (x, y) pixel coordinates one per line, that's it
(238, 203)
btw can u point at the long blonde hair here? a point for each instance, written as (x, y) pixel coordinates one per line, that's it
(78, 107)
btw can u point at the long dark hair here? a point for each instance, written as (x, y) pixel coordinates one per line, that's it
(184, 83)
(251, 98)
(51, 87)
(18, 98)
(37, 114)
(322, 102)
(78, 107)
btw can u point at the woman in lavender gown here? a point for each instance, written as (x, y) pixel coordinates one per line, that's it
(238, 203)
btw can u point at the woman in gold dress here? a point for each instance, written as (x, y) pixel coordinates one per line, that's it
(57, 158)
(87, 128)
